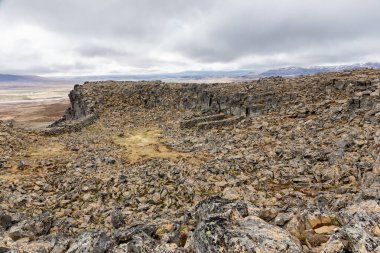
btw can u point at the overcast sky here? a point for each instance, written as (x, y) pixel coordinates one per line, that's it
(72, 37)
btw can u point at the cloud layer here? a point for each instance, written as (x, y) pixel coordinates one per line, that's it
(74, 37)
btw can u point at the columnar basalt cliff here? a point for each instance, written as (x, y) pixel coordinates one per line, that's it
(80, 106)
(247, 99)
(273, 165)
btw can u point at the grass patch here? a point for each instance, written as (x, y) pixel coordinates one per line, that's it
(96, 127)
(144, 144)
(46, 150)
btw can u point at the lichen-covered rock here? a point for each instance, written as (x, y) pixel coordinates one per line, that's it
(49, 243)
(91, 241)
(31, 228)
(250, 234)
(218, 231)
(217, 207)
(117, 219)
(142, 238)
(360, 231)
(5, 220)
(304, 159)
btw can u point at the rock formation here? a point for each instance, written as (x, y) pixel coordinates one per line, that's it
(273, 165)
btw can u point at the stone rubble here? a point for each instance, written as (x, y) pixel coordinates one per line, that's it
(298, 172)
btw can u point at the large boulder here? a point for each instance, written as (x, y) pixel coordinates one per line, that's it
(225, 226)
(91, 241)
(49, 243)
(32, 228)
(360, 231)
(5, 221)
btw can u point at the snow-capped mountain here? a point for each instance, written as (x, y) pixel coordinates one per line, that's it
(297, 71)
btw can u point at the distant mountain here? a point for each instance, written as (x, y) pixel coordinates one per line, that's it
(21, 78)
(297, 71)
(187, 76)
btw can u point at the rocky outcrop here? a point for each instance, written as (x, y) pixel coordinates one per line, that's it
(299, 173)
(188, 123)
(211, 121)
(225, 226)
(221, 226)
(245, 99)
(79, 115)
(69, 126)
(32, 228)
(80, 104)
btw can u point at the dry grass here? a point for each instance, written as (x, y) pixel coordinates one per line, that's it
(11, 177)
(144, 144)
(15, 175)
(46, 150)
(96, 127)
(43, 150)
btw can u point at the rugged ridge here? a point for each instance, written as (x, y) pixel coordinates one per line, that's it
(239, 99)
(158, 170)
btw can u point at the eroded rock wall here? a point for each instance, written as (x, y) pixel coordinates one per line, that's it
(274, 94)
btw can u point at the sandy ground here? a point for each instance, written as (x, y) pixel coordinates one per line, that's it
(33, 115)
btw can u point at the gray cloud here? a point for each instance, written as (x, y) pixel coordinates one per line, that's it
(281, 27)
(93, 50)
(125, 36)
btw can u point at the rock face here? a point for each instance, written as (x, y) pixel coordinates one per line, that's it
(273, 165)
(79, 115)
(80, 107)
(241, 100)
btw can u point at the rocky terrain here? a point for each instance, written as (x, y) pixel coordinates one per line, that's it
(274, 165)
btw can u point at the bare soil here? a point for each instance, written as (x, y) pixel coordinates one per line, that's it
(34, 115)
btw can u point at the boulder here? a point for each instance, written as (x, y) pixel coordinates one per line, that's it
(142, 238)
(360, 231)
(219, 231)
(31, 228)
(91, 241)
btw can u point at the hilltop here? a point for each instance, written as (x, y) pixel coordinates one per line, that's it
(272, 165)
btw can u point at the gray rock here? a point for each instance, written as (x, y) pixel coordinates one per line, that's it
(282, 219)
(138, 238)
(360, 231)
(22, 164)
(61, 244)
(117, 219)
(4, 250)
(220, 208)
(250, 234)
(5, 221)
(2, 163)
(125, 235)
(31, 228)
(144, 238)
(218, 232)
(110, 160)
(142, 246)
(91, 242)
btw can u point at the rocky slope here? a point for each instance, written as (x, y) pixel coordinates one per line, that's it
(275, 165)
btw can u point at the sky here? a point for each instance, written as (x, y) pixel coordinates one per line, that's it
(88, 37)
